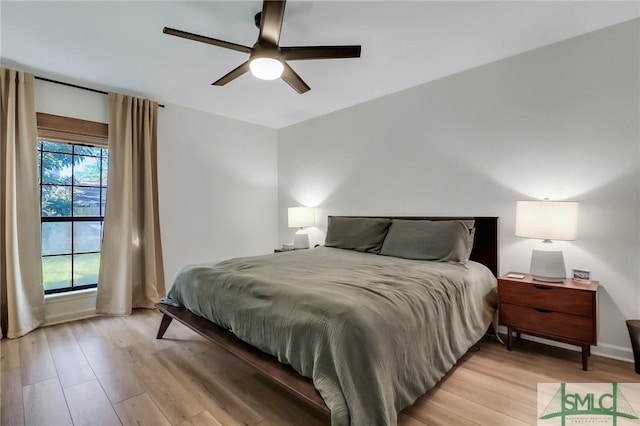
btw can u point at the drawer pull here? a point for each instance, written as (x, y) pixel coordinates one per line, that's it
(542, 287)
(544, 311)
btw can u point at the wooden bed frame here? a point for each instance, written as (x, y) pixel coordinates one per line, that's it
(485, 251)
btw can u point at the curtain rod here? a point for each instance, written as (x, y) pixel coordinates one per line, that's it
(77, 87)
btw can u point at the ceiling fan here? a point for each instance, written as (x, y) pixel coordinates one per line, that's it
(267, 59)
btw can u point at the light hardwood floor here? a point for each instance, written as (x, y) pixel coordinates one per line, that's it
(112, 370)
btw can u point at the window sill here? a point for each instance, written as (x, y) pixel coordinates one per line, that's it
(71, 306)
(70, 295)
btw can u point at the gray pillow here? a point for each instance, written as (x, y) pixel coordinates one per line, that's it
(357, 233)
(439, 240)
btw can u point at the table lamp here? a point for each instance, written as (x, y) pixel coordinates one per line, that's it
(547, 220)
(301, 217)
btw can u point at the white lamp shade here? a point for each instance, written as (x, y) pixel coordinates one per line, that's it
(547, 220)
(302, 217)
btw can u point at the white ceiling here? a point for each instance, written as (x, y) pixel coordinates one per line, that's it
(119, 45)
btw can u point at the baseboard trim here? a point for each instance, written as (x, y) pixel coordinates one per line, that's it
(70, 316)
(613, 351)
(606, 350)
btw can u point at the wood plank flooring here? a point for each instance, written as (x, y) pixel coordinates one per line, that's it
(113, 371)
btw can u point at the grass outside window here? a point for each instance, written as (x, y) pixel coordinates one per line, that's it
(56, 271)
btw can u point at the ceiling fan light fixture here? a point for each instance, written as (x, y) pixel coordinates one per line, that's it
(266, 68)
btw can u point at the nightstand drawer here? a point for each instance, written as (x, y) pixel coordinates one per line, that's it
(543, 296)
(551, 323)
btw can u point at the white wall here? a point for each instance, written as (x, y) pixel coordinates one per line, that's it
(559, 122)
(217, 181)
(218, 188)
(71, 102)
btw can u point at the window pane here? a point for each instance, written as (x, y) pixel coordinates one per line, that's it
(57, 147)
(86, 268)
(86, 236)
(86, 150)
(56, 272)
(86, 171)
(86, 201)
(73, 180)
(56, 238)
(56, 200)
(56, 168)
(105, 167)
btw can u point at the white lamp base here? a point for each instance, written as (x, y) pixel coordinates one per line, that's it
(547, 263)
(301, 240)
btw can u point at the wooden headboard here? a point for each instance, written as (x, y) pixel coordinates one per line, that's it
(485, 243)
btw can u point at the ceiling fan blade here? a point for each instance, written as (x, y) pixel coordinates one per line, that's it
(232, 75)
(320, 52)
(294, 80)
(271, 22)
(208, 40)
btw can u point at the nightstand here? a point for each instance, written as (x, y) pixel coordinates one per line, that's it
(565, 312)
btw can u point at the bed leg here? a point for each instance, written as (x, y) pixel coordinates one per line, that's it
(164, 324)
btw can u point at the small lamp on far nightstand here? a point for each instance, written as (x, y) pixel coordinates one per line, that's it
(301, 217)
(547, 220)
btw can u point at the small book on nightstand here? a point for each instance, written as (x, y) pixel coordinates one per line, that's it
(516, 276)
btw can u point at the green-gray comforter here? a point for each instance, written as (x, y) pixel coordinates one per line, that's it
(373, 332)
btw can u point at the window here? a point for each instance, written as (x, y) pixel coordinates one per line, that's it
(73, 188)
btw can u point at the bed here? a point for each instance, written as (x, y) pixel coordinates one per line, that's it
(371, 318)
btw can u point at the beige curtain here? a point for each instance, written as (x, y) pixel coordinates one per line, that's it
(21, 292)
(131, 271)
